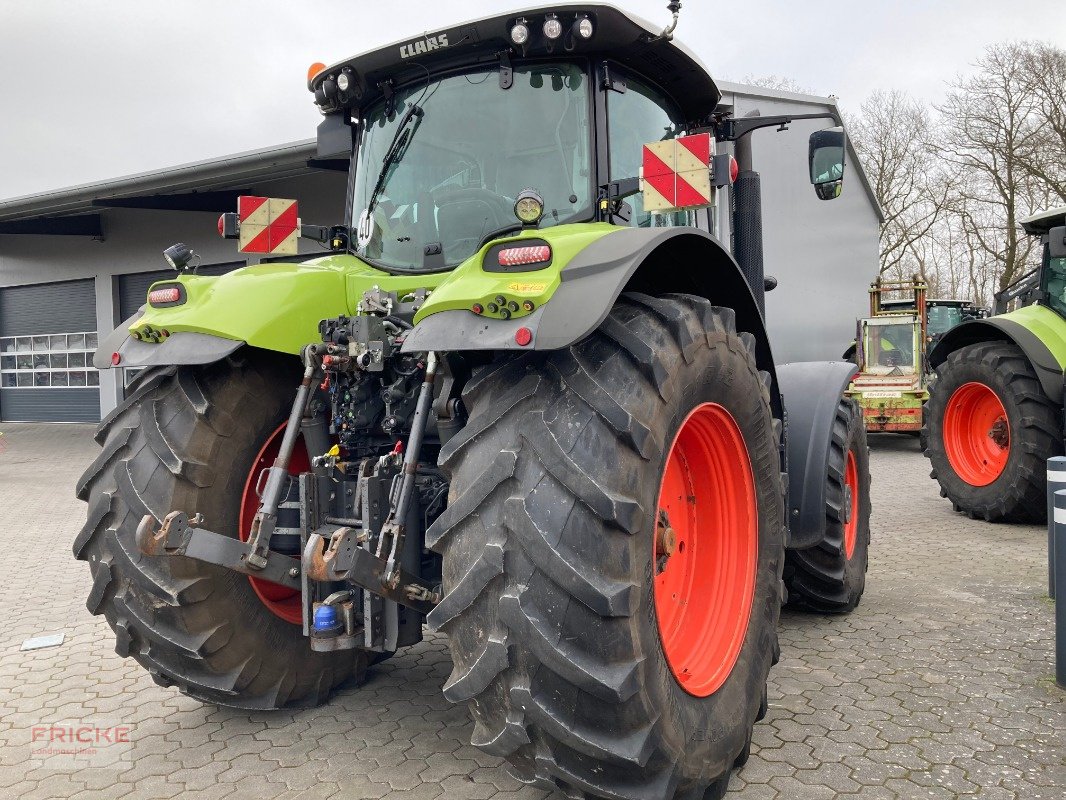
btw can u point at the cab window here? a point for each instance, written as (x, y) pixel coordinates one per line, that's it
(635, 117)
(1055, 284)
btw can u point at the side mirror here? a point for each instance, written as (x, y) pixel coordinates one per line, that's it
(1056, 242)
(826, 160)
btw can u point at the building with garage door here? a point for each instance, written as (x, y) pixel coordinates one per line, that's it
(76, 262)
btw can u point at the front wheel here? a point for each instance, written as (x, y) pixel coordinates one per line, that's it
(989, 432)
(613, 547)
(831, 576)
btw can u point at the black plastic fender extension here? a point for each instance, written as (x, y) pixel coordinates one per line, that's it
(811, 391)
(178, 349)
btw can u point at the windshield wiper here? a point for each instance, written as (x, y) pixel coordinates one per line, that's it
(397, 147)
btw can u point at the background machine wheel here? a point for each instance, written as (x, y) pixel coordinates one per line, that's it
(590, 488)
(990, 430)
(192, 437)
(831, 576)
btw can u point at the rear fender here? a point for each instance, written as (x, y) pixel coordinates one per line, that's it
(811, 392)
(1038, 331)
(274, 307)
(119, 349)
(655, 261)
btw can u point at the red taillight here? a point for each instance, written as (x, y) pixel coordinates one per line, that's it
(171, 294)
(532, 254)
(734, 170)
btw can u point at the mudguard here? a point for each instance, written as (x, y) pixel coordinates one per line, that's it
(810, 392)
(677, 260)
(180, 348)
(1037, 330)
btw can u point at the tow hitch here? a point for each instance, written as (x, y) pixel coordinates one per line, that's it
(359, 549)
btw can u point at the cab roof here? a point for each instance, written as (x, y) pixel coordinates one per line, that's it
(617, 35)
(1044, 221)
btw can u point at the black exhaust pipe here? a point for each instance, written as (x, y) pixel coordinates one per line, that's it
(747, 222)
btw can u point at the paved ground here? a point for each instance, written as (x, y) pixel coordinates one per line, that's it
(939, 686)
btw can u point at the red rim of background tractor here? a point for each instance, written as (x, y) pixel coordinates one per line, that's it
(976, 434)
(281, 600)
(851, 484)
(705, 572)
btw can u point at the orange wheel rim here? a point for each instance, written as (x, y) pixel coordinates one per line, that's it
(976, 434)
(281, 600)
(851, 503)
(706, 549)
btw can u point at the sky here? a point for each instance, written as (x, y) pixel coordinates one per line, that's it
(95, 89)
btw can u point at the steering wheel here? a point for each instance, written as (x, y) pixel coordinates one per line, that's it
(891, 358)
(498, 203)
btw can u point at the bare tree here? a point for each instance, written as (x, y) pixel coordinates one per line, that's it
(992, 124)
(778, 82)
(1046, 163)
(891, 136)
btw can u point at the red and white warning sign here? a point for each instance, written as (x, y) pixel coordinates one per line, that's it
(676, 173)
(268, 225)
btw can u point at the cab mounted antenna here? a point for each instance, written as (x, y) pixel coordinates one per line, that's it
(674, 7)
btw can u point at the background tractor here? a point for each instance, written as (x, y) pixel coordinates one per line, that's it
(527, 398)
(891, 384)
(994, 415)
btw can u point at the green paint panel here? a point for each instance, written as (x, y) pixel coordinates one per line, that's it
(1046, 325)
(278, 306)
(469, 283)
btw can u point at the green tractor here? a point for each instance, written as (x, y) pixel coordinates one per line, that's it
(527, 399)
(994, 414)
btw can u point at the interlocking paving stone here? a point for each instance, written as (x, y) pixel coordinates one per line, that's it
(939, 685)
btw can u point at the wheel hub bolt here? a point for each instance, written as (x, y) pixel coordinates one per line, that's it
(999, 433)
(665, 536)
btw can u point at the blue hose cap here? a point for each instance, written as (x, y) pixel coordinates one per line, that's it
(325, 618)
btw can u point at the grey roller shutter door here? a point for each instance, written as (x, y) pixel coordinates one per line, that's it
(47, 333)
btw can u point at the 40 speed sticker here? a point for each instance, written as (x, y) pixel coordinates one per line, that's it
(527, 288)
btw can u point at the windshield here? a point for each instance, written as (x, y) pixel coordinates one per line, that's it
(455, 168)
(889, 348)
(943, 319)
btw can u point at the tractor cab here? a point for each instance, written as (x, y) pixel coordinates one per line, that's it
(1051, 226)
(529, 121)
(515, 121)
(1045, 285)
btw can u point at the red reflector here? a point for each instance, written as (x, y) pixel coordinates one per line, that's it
(116, 359)
(533, 254)
(523, 336)
(222, 225)
(734, 170)
(171, 294)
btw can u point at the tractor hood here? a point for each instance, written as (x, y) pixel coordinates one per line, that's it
(616, 35)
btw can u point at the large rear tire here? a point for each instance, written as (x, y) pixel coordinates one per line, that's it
(831, 576)
(187, 439)
(566, 612)
(989, 432)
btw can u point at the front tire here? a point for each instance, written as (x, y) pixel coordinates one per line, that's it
(186, 439)
(550, 554)
(989, 432)
(831, 576)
